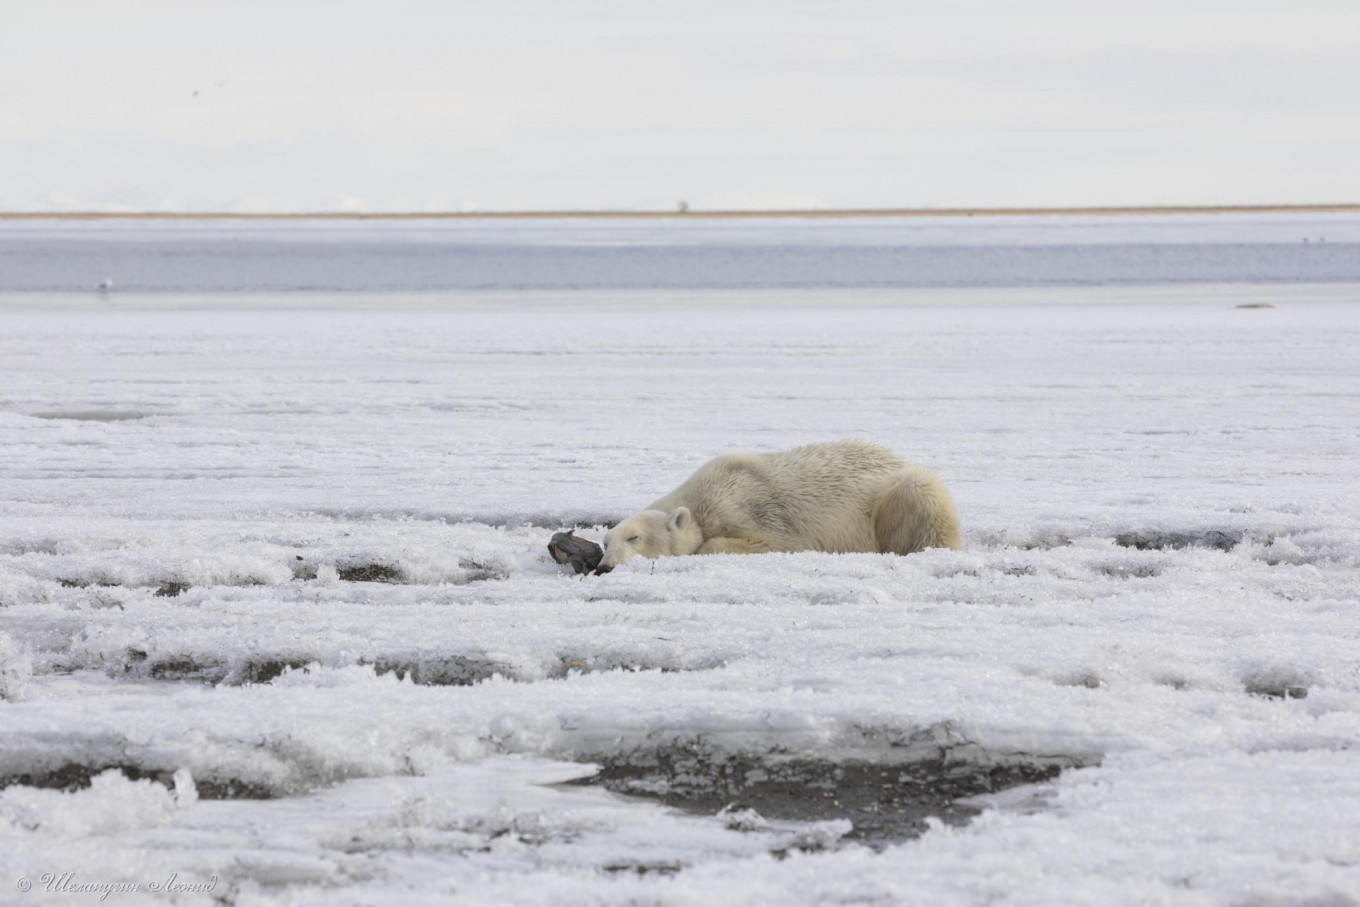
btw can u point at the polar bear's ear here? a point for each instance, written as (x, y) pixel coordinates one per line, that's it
(680, 519)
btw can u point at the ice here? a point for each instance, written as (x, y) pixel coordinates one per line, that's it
(15, 668)
(109, 259)
(276, 606)
(111, 805)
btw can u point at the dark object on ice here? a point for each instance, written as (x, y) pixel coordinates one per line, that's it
(583, 554)
(369, 573)
(887, 802)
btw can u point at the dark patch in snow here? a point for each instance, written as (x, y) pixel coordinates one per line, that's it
(166, 588)
(1088, 679)
(85, 584)
(643, 869)
(138, 663)
(1276, 682)
(1155, 540)
(227, 789)
(1122, 570)
(72, 777)
(379, 572)
(30, 546)
(263, 670)
(1286, 551)
(184, 668)
(1038, 541)
(301, 569)
(445, 670)
(1047, 543)
(886, 803)
(477, 573)
(370, 573)
(1285, 692)
(94, 415)
(441, 670)
(949, 571)
(570, 663)
(210, 671)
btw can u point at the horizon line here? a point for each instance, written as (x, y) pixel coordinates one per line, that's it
(1093, 210)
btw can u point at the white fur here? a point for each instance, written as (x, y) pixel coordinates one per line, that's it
(838, 497)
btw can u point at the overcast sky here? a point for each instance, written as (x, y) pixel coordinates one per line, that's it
(508, 104)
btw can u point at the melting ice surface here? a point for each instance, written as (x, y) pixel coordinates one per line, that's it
(276, 609)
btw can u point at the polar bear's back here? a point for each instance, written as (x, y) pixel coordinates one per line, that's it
(821, 496)
(841, 463)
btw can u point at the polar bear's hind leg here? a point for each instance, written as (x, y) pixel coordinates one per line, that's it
(914, 511)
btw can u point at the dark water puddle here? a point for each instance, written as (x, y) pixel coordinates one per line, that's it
(377, 572)
(444, 670)
(72, 777)
(182, 668)
(371, 573)
(1155, 540)
(885, 803)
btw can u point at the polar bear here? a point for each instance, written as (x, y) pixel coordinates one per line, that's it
(839, 497)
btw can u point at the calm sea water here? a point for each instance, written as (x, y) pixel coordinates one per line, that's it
(680, 253)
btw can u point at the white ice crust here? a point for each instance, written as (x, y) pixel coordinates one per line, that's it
(1159, 592)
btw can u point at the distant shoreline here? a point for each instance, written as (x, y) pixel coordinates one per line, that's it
(826, 213)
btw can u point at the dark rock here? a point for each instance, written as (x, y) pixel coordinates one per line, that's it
(583, 554)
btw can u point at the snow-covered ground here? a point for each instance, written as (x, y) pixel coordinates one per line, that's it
(276, 612)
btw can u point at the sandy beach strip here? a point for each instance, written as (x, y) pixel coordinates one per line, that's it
(827, 213)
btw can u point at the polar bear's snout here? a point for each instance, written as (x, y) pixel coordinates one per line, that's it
(651, 533)
(633, 536)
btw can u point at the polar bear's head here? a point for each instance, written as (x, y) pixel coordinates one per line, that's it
(651, 533)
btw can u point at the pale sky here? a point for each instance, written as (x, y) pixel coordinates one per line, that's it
(406, 105)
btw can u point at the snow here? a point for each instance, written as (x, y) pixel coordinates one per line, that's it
(277, 615)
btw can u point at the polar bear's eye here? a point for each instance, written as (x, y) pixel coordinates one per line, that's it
(632, 538)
